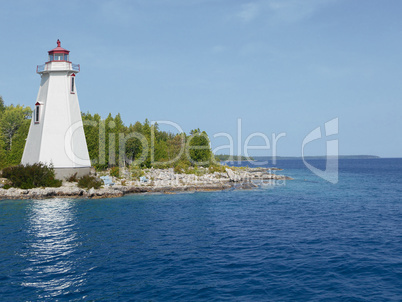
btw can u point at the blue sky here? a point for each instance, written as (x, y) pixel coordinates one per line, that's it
(281, 66)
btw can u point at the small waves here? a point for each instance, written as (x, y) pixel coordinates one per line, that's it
(304, 241)
(50, 243)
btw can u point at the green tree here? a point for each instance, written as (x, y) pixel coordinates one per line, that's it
(14, 155)
(11, 120)
(134, 146)
(199, 148)
(92, 135)
(2, 107)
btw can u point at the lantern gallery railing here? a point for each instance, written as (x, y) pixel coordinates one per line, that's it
(75, 67)
(67, 66)
(40, 68)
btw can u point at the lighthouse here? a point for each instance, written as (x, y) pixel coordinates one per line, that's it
(56, 134)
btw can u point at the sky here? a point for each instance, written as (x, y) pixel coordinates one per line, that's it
(249, 73)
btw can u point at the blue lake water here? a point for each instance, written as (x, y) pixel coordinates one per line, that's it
(305, 239)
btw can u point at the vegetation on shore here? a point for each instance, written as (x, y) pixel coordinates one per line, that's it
(143, 145)
(14, 127)
(89, 181)
(30, 176)
(113, 144)
(124, 152)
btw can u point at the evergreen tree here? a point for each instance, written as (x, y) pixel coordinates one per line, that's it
(2, 107)
(199, 148)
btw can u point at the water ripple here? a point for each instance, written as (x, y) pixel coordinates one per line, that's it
(299, 242)
(51, 240)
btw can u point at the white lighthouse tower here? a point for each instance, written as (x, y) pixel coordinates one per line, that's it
(56, 135)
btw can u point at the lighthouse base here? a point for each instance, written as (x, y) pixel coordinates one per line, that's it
(64, 173)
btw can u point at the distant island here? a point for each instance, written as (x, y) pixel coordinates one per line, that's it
(226, 157)
(271, 158)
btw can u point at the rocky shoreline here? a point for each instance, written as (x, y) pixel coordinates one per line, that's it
(163, 181)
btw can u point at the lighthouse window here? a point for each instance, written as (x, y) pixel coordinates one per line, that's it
(37, 111)
(50, 57)
(59, 57)
(72, 84)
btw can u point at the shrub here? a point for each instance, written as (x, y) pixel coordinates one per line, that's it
(88, 181)
(137, 172)
(72, 178)
(31, 176)
(181, 167)
(162, 164)
(100, 167)
(191, 170)
(115, 171)
(217, 168)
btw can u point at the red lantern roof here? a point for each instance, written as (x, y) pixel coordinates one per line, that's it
(59, 49)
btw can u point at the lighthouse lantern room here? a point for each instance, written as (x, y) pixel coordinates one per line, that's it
(56, 135)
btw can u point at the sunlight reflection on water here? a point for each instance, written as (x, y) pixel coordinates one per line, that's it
(52, 238)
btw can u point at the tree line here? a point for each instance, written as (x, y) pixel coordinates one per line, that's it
(111, 143)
